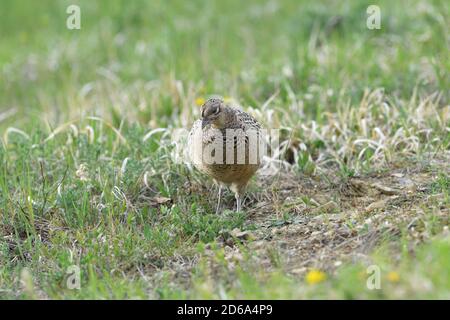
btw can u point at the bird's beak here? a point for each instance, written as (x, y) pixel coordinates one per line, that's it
(205, 122)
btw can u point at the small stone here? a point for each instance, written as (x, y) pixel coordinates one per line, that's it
(161, 200)
(242, 235)
(398, 175)
(385, 189)
(376, 205)
(299, 270)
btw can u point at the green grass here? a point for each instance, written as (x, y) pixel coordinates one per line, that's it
(423, 275)
(219, 48)
(79, 184)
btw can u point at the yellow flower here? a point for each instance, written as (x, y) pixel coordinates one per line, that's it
(199, 101)
(393, 276)
(315, 276)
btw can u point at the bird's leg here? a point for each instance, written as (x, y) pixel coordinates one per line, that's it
(219, 198)
(238, 202)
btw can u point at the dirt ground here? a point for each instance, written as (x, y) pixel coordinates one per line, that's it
(326, 220)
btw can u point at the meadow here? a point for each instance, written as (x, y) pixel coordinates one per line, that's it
(94, 206)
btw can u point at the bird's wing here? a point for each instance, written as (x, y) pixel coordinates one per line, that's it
(199, 138)
(247, 121)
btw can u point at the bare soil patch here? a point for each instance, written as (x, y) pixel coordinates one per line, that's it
(326, 220)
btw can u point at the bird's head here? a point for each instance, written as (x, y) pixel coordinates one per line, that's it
(216, 113)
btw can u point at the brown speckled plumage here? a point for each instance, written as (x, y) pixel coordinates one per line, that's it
(218, 119)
